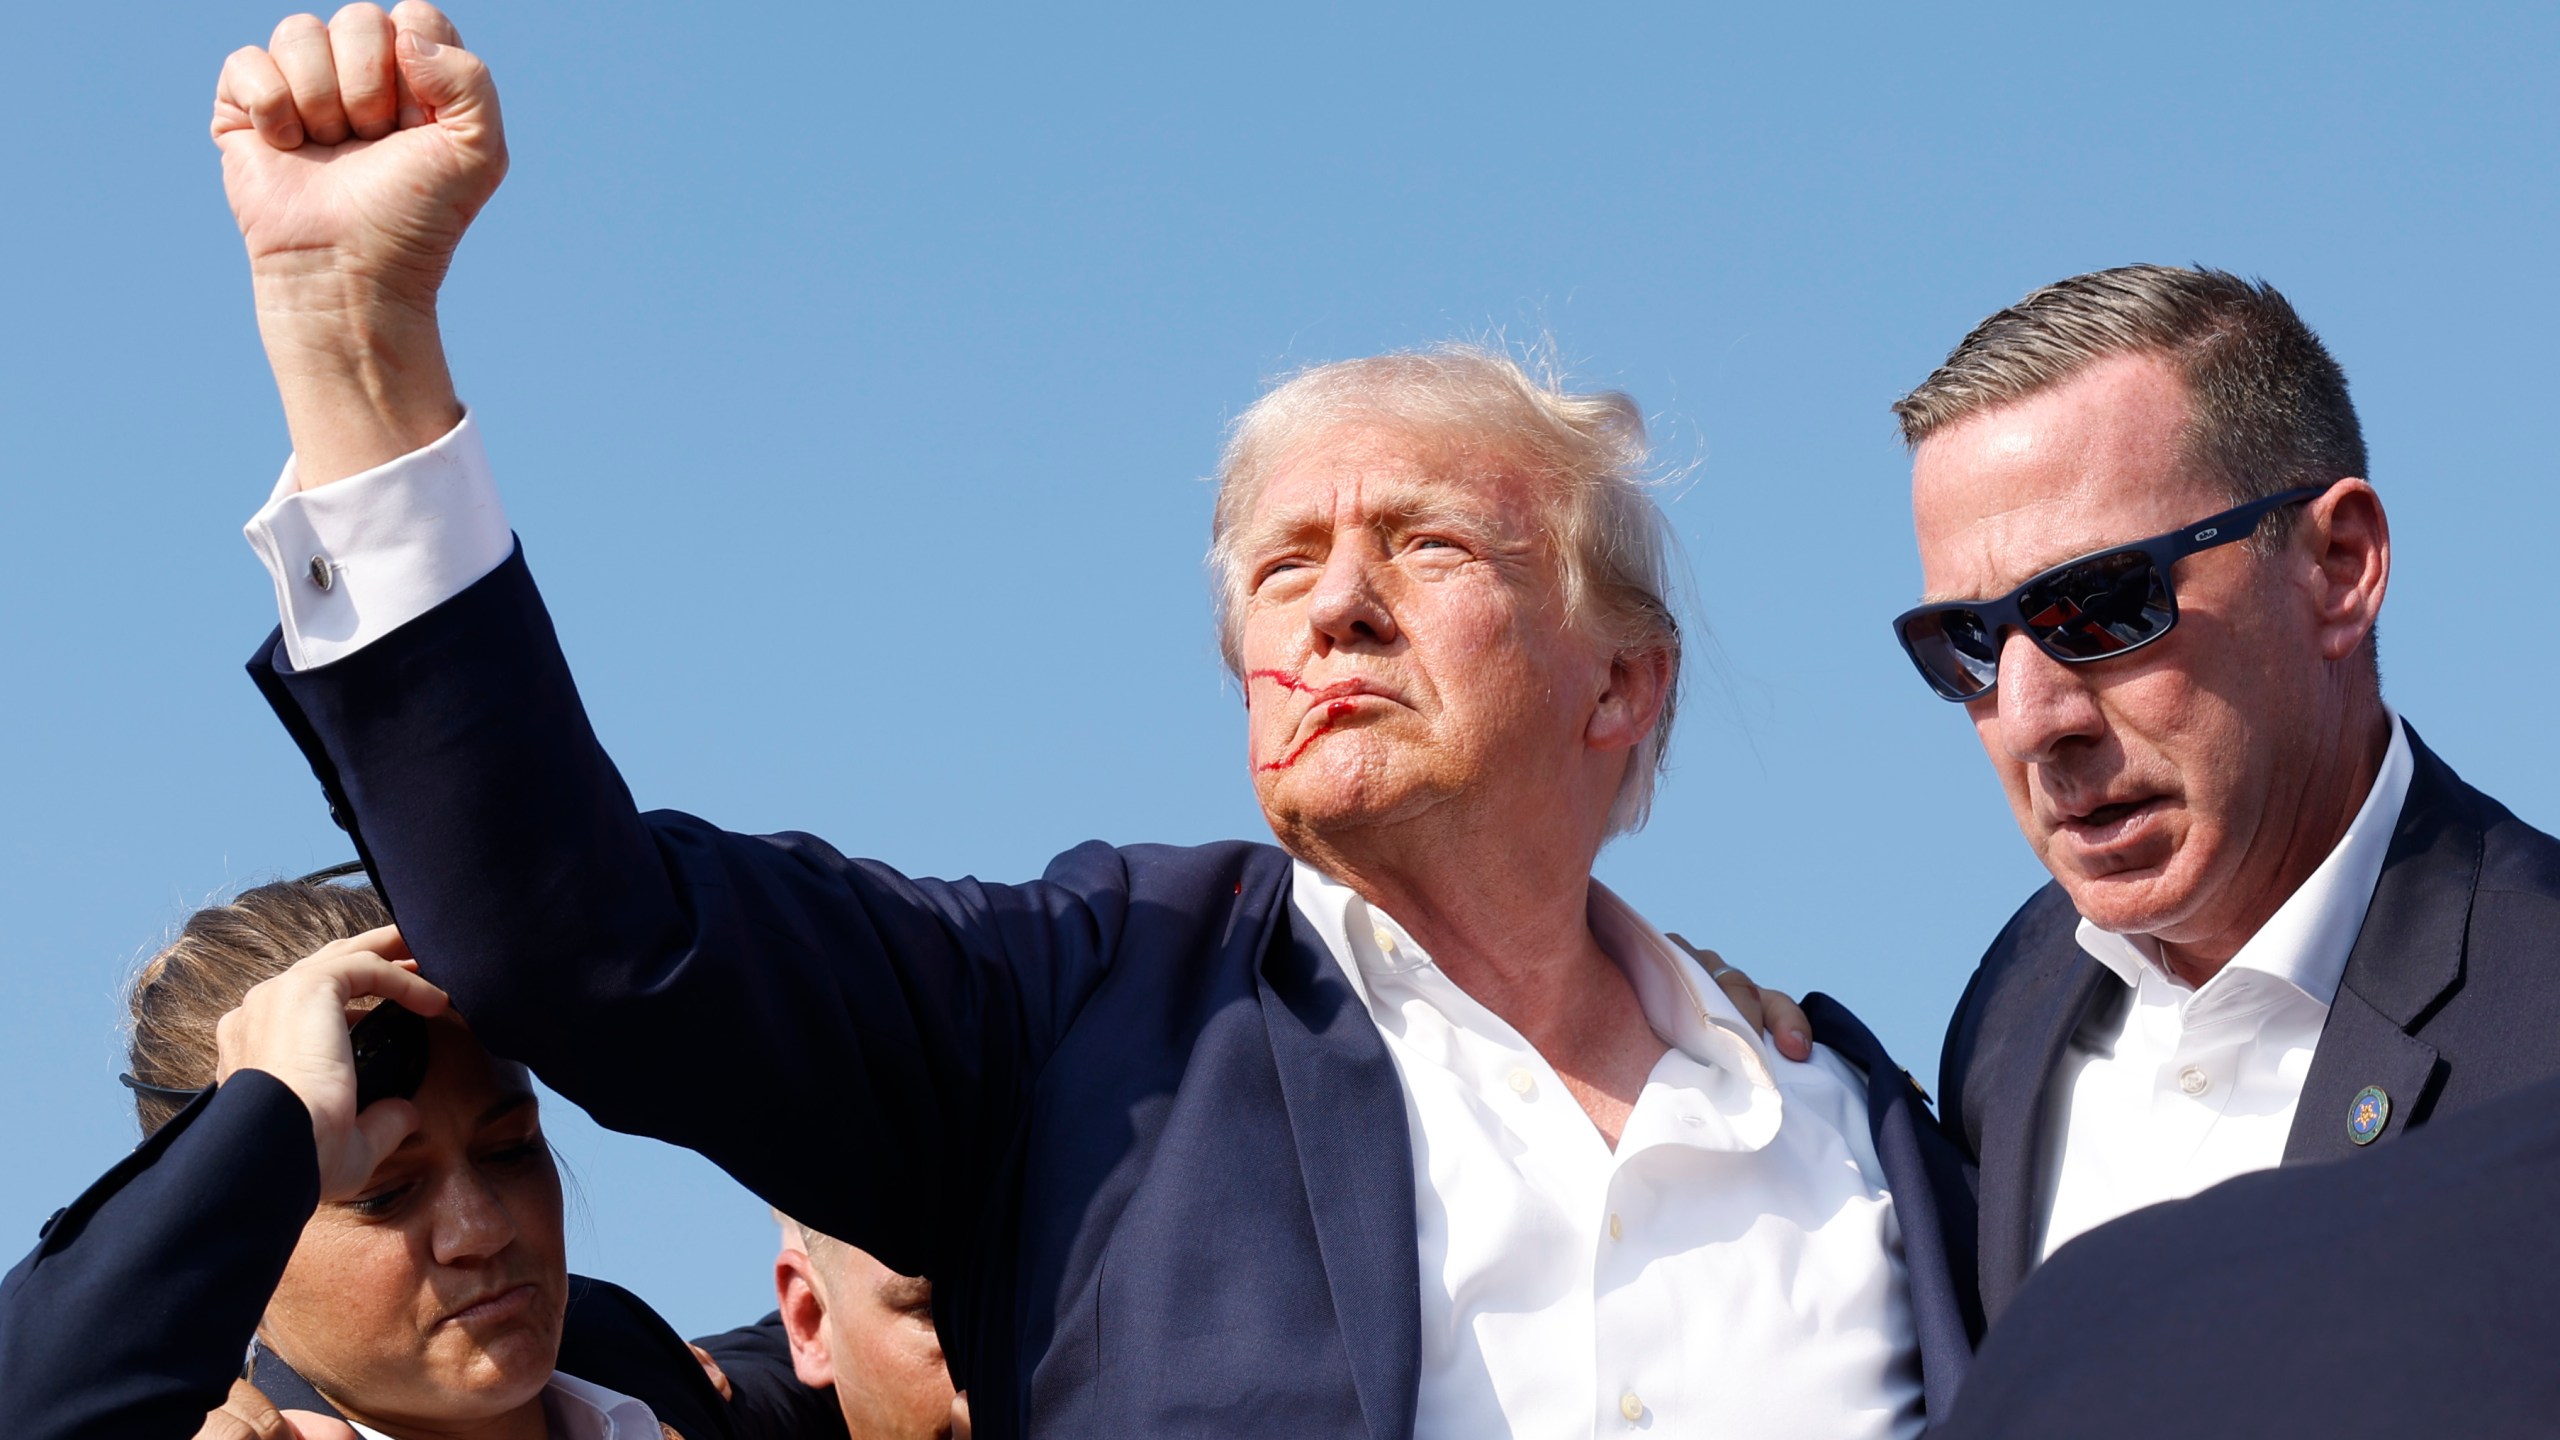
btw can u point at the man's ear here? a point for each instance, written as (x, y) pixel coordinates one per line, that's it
(2349, 537)
(1639, 683)
(804, 1317)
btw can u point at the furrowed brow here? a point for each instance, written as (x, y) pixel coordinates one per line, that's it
(1396, 508)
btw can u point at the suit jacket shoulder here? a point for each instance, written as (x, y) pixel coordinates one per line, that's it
(2409, 1294)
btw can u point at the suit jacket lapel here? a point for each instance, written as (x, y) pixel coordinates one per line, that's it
(283, 1385)
(2406, 957)
(1932, 1199)
(1346, 1109)
(2014, 1162)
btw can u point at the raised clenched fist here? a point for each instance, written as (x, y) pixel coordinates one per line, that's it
(356, 153)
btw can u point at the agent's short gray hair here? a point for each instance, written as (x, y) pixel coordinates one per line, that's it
(2270, 407)
(1587, 449)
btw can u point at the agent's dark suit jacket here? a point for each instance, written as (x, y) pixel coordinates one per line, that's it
(134, 1312)
(2414, 1293)
(1136, 1127)
(2450, 997)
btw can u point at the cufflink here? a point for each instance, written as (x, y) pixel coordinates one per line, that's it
(323, 574)
(2367, 1114)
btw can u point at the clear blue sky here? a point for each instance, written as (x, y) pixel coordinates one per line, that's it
(851, 370)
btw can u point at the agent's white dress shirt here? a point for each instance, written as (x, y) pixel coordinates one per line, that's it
(1732, 1268)
(580, 1411)
(2169, 1089)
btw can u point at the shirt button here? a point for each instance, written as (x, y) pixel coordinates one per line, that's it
(1631, 1405)
(1523, 1084)
(323, 574)
(1617, 1226)
(2194, 1081)
(1385, 938)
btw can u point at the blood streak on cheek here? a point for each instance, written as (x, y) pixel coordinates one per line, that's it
(1334, 709)
(1281, 678)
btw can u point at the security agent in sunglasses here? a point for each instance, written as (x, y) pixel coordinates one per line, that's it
(2280, 929)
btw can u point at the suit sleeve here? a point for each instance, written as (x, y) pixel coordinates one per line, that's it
(853, 1045)
(134, 1312)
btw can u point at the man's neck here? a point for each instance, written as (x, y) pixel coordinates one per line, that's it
(2334, 791)
(1509, 923)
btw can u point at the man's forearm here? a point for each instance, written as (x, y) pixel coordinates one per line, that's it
(362, 374)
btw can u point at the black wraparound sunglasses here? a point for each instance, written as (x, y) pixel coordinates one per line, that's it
(2094, 608)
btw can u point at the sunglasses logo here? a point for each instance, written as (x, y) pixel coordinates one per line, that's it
(2207, 533)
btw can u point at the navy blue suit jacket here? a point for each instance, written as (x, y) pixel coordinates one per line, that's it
(2450, 996)
(1134, 1125)
(2415, 1292)
(134, 1312)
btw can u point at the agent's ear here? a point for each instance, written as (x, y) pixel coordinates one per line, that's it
(2350, 540)
(804, 1317)
(1639, 683)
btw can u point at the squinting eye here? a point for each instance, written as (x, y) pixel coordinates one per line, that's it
(382, 1204)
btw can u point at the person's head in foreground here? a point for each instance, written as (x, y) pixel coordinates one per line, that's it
(2154, 569)
(1445, 589)
(426, 1293)
(867, 1330)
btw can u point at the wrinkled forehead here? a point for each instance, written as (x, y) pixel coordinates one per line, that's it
(1373, 473)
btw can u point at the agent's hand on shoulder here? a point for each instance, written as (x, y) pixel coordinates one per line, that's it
(1773, 1011)
(294, 1027)
(358, 152)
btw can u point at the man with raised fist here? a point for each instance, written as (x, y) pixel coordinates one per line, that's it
(1403, 1127)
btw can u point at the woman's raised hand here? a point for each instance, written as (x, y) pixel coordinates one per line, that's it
(294, 1027)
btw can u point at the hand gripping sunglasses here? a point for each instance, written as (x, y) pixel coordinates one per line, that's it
(2094, 608)
(390, 1042)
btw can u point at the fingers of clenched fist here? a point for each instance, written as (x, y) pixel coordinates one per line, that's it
(393, 95)
(294, 1027)
(347, 79)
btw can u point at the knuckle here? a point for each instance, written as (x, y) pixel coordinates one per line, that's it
(298, 30)
(363, 12)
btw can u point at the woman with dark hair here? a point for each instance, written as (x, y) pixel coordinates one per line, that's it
(344, 1200)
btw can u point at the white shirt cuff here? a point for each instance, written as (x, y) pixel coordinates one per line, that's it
(358, 559)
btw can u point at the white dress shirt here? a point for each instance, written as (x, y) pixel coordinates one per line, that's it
(355, 560)
(577, 1410)
(2169, 1089)
(1734, 1267)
